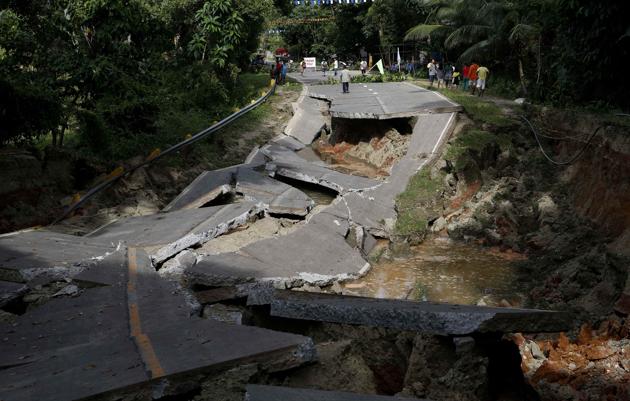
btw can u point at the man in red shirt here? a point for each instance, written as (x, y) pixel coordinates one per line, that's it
(472, 75)
(465, 78)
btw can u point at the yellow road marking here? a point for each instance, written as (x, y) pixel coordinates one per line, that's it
(143, 342)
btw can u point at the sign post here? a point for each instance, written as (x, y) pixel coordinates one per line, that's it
(311, 62)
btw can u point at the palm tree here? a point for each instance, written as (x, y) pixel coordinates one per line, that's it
(481, 28)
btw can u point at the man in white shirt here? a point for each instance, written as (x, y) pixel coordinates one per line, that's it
(432, 67)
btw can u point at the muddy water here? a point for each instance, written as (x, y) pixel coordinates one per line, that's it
(444, 271)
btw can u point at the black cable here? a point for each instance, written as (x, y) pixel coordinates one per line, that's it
(564, 163)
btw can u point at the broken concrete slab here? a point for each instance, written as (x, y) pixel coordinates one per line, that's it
(28, 254)
(382, 100)
(170, 233)
(207, 187)
(425, 317)
(325, 177)
(276, 152)
(312, 254)
(273, 393)
(278, 197)
(306, 125)
(255, 158)
(288, 142)
(74, 348)
(9, 292)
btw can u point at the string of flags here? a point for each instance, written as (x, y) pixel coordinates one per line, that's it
(323, 2)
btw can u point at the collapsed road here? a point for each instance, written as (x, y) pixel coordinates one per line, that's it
(125, 316)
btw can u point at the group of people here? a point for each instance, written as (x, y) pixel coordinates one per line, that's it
(279, 71)
(472, 76)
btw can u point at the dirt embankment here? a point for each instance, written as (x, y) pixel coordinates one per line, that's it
(37, 186)
(494, 187)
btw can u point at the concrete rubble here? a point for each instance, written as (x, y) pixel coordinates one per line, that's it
(28, 254)
(167, 234)
(121, 318)
(113, 339)
(272, 393)
(424, 317)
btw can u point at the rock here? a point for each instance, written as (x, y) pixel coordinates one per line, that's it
(547, 209)
(520, 100)
(536, 351)
(439, 225)
(463, 227)
(450, 180)
(223, 313)
(599, 352)
(70, 290)
(173, 269)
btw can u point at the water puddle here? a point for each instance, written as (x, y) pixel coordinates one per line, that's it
(443, 271)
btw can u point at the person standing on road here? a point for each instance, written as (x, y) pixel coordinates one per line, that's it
(432, 72)
(324, 66)
(335, 66)
(303, 67)
(363, 67)
(482, 75)
(345, 79)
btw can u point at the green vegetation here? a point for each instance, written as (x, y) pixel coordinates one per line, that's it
(480, 110)
(554, 51)
(114, 79)
(414, 205)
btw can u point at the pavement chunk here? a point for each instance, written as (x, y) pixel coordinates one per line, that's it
(306, 124)
(10, 292)
(273, 393)
(27, 254)
(426, 317)
(170, 233)
(207, 187)
(315, 174)
(278, 197)
(313, 254)
(118, 338)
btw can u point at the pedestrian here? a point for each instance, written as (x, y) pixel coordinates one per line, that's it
(285, 67)
(303, 67)
(324, 66)
(465, 77)
(363, 67)
(440, 75)
(456, 78)
(472, 76)
(278, 71)
(345, 79)
(335, 66)
(448, 76)
(432, 72)
(482, 75)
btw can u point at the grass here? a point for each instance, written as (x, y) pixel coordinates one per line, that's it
(478, 109)
(414, 210)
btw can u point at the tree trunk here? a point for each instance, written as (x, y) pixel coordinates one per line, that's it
(54, 138)
(539, 61)
(62, 134)
(521, 74)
